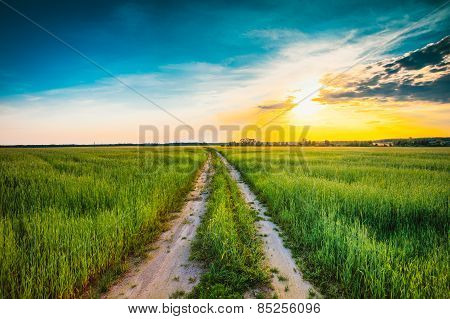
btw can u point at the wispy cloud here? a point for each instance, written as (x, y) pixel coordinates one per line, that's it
(273, 38)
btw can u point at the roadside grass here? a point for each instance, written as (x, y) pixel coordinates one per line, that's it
(364, 222)
(70, 216)
(227, 243)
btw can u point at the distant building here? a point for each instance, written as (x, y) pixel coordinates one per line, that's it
(383, 144)
(248, 141)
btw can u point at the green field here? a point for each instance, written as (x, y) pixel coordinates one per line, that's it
(365, 222)
(362, 222)
(68, 215)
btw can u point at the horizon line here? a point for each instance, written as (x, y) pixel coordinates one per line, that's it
(208, 143)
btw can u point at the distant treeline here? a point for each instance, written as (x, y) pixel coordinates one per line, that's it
(425, 141)
(399, 142)
(406, 142)
(110, 145)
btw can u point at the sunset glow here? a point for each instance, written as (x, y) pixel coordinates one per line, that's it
(382, 82)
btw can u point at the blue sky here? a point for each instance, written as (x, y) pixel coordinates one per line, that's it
(171, 51)
(141, 36)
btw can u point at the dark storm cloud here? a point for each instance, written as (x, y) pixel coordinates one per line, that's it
(398, 78)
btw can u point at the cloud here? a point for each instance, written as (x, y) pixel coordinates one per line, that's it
(422, 74)
(205, 93)
(432, 54)
(287, 104)
(275, 34)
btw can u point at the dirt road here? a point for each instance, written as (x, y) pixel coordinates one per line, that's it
(167, 269)
(289, 282)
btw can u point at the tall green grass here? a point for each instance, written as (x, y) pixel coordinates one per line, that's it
(227, 242)
(367, 222)
(67, 215)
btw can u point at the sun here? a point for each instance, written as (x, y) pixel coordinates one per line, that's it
(307, 112)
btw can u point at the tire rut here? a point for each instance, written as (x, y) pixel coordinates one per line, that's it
(167, 269)
(288, 283)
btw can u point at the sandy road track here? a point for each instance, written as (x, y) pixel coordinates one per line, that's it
(167, 269)
(292, 285)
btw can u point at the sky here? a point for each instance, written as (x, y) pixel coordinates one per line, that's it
(98, 71)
